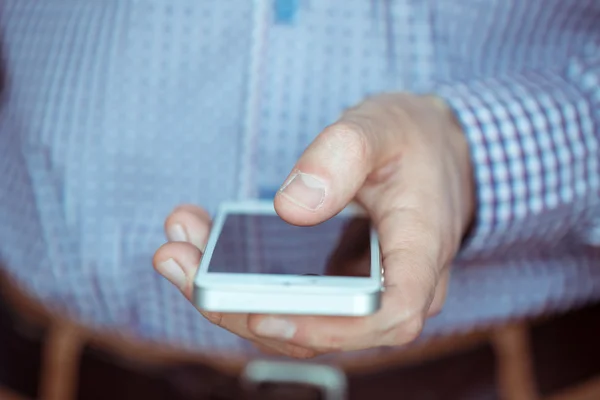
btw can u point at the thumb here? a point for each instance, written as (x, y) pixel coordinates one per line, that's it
(327, 176)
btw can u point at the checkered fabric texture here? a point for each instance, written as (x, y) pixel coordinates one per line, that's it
(115, 111)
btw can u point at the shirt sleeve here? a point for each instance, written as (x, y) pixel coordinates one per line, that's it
(534, 138)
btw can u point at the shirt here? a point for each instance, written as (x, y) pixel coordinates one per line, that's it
(115, 111)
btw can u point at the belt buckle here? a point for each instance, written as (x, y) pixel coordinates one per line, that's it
(331, 381)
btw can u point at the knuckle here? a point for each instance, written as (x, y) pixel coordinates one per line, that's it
(411, 329)
(422, 230)
(422, 239)
(406, 332)
(418, 267)
(418, 229)
(439, 298)
(214, 317)
(265, 349)
(301, 353)
(349, 137)
(331, 343)
(435, 309)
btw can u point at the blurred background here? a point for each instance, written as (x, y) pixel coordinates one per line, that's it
(554, 357)
(46, 355)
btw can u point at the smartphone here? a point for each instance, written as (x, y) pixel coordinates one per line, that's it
(257, 263)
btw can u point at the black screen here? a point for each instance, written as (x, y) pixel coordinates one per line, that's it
(265, 244)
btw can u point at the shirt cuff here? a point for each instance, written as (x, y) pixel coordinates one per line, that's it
(530, 139)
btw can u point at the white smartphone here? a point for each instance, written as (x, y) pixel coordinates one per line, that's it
(257, 263)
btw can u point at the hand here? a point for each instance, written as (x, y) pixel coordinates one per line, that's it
(406, 160)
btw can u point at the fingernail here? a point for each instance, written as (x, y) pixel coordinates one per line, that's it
(176, 233)
(305, 190)
(276, 328)
(171, 270)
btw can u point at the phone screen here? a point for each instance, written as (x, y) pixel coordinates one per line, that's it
(265, 244)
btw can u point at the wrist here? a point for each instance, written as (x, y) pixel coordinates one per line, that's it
(459, 143)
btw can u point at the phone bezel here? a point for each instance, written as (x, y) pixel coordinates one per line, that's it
(273, 282)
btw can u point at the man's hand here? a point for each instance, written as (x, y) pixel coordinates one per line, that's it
(405, 159)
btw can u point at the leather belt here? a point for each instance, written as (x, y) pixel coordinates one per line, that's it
(108, 370)
(104, 375)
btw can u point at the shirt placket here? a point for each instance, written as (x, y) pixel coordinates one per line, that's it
(261, 14)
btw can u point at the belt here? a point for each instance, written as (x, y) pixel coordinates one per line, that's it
(34, 349)
(103, 374)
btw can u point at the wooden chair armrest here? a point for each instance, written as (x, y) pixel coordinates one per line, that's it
(589, 390)
(7, 394)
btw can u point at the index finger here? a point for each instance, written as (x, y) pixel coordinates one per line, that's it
(409, 287)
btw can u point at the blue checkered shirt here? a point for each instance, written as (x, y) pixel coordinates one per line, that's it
(115, 111)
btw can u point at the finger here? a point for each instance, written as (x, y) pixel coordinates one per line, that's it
(441, 291)
(178, 263)
(199, 211)
(412, 248)
(411, 279)
(332, 169)
(275, 348)
(238, 324)
(319, 333)
(188, 223)
(397, 322)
